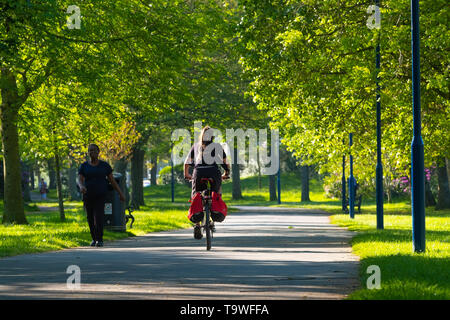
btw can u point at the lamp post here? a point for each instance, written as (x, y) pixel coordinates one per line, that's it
(374, 22)
(279, 175)
(351, 183)
(379, 167)
(417, 149)
(343, 181)
(173, 178)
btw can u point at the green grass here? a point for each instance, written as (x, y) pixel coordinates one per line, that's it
(404, 274)
(252, 194)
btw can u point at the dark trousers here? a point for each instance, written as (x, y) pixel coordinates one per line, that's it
(206, 172)
(95, 210)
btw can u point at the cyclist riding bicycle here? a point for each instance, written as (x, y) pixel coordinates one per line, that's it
(206, 156)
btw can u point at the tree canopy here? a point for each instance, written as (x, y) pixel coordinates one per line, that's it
(313, 65)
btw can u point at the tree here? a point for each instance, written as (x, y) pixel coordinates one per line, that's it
(120, 48)
(313, 68)
(35, 43)
(55, 125)
(443, 196)
(216, 84)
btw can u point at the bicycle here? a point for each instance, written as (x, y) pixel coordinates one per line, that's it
(207, 224)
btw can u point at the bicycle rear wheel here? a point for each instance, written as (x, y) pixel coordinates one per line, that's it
(208, 228)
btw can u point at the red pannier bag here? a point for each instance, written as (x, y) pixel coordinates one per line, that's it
(196, 205)
(218, 207)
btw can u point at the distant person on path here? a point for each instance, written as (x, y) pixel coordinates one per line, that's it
(205, 156)
(43, 189)
(94, 186)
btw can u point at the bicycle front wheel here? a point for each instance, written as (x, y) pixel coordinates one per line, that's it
(208, 228)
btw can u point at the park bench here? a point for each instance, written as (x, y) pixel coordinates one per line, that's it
(358, 201)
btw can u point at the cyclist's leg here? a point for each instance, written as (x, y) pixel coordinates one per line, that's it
(194, 183)
(217, 184)
(197, 185)
(197, 217)
(218, 211)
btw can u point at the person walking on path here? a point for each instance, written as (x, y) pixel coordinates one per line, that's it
(43, 189)
(93, 185)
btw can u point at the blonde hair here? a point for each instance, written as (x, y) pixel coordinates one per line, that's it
(202, 134)
(201, 141)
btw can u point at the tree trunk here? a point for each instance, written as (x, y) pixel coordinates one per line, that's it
(236, 177)
(259, 176)
(389, 193)
(59, 187)
(73, 173)
(447, 162)
(272, 188)
(429, 197)
(51, 173)
(137, 176)
(38, 173)
(443, 197)
(145, 169)
(154, 170)
(32, 183)
(2, 181)
(305, 184)
(387, 187)
(13, 204)
(26, 182)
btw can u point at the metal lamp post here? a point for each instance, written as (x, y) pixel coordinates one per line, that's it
(374, 22)
(173, 177)
(344, 200)
(279, 175)
(417, 149)
(379, 167)
(351, 183)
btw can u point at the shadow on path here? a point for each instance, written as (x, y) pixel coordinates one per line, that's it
(255, 255)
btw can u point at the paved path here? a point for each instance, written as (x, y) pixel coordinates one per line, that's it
(259, 253)
(35, 197)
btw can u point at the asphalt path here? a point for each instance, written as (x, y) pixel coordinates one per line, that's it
(257, 253)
